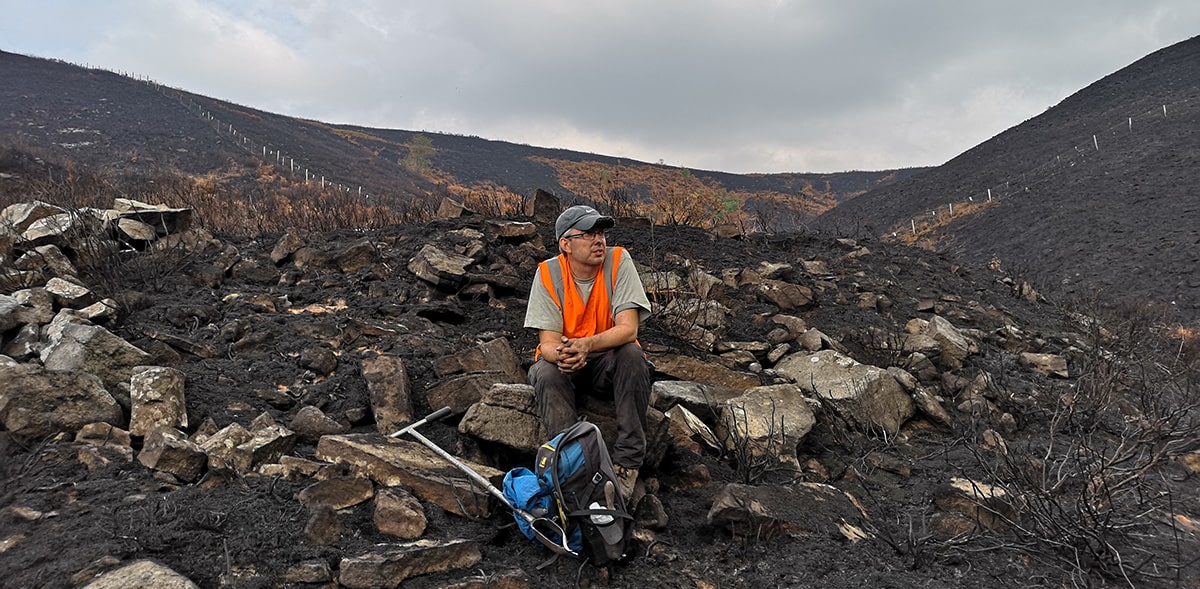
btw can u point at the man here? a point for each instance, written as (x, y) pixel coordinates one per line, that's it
(586, 304)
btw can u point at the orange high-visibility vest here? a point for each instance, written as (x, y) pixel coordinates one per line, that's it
(580, 320)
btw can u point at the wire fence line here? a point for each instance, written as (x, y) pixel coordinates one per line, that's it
(1128, 128)
(1062, 163)
(260, 149)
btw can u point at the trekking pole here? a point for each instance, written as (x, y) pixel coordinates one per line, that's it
(546, 538)
(435, 416)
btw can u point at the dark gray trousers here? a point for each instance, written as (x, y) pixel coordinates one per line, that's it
(620, 373)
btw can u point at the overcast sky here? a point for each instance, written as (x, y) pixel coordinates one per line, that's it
(737, 86)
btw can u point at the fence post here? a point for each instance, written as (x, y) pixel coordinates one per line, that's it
(914, 225)
(951, 209)
(1096, 143)
(989, 195)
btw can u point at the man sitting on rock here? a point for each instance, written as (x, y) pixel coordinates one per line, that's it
(586, 304)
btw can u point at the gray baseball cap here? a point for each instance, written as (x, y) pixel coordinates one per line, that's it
(583, 218)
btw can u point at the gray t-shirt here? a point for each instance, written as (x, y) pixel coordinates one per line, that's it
(542, 313)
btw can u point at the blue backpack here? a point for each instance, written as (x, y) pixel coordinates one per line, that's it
(572, 493)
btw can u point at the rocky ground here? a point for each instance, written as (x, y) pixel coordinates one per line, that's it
(265, 466)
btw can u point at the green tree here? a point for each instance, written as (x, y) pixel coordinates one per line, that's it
(420, 154)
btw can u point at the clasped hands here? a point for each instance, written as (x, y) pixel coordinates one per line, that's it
(572, 354)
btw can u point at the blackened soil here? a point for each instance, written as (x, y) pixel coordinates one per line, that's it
(249, 530)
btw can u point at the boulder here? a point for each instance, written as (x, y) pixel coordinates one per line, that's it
(338, 493)
(1047, 364)
(390, 392)
(513, 230)
(391, 462)
(785, 295)
(91, 348)
(460, 392)
(356, 256)
(17, 218)
(495, 355)
(765, 420)
(36, 403)
(865, 396)
(156, 399)
(508, 415)
(142, 574)
(391, 567)
(398, 513)
(287, 245)
(709, 373)
(440, 268)
(311, 423)
(766, 512)
(168, 450)
(698, 398)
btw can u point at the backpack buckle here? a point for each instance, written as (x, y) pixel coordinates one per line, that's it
(597, 478)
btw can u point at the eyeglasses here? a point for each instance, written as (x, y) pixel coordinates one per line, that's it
(593, 235)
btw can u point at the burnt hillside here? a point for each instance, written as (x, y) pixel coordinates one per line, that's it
(104, 119)
(1097, 193)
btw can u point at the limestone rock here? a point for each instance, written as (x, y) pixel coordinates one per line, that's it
(108, 438)
(311, 423)
(134, 230)
(286, 246)
(698, 398)
(244, 451)
(68, 294)
(390, 568)
(338, 493)
(460, 392)
(35, 402)
(687, 431)
(389, 389)
(544, 207)
(323, 527)
(691, 369)
(986, 505)
(167, 449)
(1047, 364)
(90, 348)
(319, 359)
(391, 462)
(442, 269)
(507, 414)
(398, 513)
(156, 399)
(767, 512)
(866, 396)
(766, 420)
(143, 574)
(17, 218)
(513, 230)
(785, 295)
(495, 355)
(356, 256)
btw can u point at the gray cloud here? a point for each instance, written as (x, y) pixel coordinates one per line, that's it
(742, 86)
